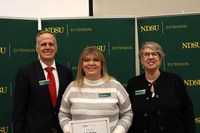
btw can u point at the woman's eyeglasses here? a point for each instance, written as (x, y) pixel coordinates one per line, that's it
(153, 54)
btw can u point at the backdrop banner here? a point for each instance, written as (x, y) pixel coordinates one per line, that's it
(17, 43)
(179, 37)
(114, 36)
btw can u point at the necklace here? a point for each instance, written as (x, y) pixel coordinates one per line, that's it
(151, 78)
(152, 91)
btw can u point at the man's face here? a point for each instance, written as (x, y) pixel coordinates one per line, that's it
(46, 47)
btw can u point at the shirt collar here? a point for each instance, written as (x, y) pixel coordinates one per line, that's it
(44, 65)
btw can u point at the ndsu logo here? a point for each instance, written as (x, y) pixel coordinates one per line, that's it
(3, 90)
(148, 28)
(55, 30)
(101, 47)
(2, 50)
(197, 120)
(189, 45)
(3, 129)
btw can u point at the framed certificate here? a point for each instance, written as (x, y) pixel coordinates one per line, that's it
(100, 125)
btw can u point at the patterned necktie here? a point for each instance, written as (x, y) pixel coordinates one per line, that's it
(52, 85)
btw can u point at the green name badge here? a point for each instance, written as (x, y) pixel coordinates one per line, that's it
(140, 92)
(104, 94)
(44, 82)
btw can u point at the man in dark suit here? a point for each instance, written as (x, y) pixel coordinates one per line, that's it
(33, 110)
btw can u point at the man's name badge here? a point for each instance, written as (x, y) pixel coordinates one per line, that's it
(44, 82)
(140, 92)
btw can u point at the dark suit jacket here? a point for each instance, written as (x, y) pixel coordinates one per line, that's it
(33, 110)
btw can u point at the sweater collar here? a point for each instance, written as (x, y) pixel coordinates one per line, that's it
(93, 82)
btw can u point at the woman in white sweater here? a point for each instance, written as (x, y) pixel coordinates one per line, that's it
(95, 94)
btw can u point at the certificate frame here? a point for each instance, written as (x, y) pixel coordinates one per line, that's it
(99, 125)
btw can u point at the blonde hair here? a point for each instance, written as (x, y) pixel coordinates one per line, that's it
(91, 50)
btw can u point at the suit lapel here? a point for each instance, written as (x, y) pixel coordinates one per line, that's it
(40, 74)
(60, 77)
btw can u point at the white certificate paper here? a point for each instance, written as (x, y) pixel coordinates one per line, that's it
(100, 125)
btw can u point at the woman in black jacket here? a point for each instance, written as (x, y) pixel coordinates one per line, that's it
(160, 100)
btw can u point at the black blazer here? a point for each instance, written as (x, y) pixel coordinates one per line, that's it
(33, 110)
